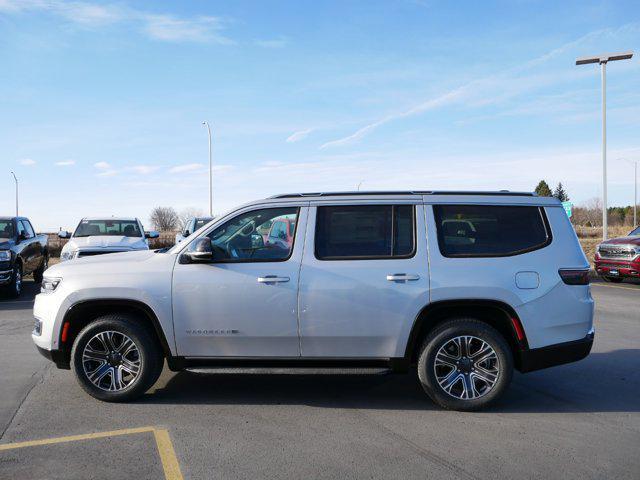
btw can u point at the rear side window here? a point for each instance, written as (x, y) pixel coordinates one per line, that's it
(365, 232)
(490, 230)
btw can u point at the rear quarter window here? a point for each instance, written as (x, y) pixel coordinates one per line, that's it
(490, 230)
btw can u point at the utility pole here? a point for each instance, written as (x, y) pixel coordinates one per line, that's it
(602, 60)
(210, 171)
(16, 180)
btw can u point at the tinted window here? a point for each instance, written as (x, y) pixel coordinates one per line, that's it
(6, 229)
(364, 231)
(635, 232)
(27, 228)
(490, 231)
(245, 237)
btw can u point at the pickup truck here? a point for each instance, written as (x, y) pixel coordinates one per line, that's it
(619, 258)
(22, 252)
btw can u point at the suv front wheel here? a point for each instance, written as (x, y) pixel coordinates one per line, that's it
(465, 365)
(115, 359)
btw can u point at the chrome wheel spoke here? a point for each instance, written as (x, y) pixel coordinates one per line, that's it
(443, 358)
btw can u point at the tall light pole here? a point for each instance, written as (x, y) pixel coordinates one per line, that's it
(16, 180)
(210, 171)
(602, 60)
(635, 193)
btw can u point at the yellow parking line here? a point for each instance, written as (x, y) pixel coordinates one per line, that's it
(75, 438)
(167, 455)
(613, 286)
(163, 442)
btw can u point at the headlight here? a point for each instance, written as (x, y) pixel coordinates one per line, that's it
(5, 255)
(68, 255)
(49, 284)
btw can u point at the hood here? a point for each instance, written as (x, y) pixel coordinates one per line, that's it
(635, 240)
(6, 243)
(112, 262)
(106, 242)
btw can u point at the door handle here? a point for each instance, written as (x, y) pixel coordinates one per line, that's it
(272, 279)
(402, 277)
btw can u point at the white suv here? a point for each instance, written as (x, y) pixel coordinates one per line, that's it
(464, 286)
(97, 236)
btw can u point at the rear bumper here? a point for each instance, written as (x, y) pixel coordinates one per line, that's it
(558, 354)
(60, 358)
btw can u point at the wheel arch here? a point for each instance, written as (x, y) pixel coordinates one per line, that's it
(495, 313)
(80, 314)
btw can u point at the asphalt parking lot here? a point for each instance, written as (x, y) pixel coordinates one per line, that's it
(575, 421)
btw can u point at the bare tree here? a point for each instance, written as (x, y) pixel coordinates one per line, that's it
(187, 214)
(164, 219)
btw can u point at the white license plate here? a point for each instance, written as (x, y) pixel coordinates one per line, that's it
(615, 273)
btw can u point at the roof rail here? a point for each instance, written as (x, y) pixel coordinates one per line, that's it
(403, 192)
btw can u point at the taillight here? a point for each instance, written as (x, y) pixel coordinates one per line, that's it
(575, 276)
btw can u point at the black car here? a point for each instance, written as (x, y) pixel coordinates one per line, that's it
(22, 252)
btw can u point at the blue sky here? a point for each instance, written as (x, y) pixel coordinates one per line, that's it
(102, 103)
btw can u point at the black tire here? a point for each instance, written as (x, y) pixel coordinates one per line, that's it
(613, 279)
(149, 357)
(39, 272)
(14, 287)
(440, 338)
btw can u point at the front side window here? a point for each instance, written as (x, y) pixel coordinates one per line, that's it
(490, 230)
(365, 232)
(89, 228)
(635, 232)
(27, 228)
(246, 237)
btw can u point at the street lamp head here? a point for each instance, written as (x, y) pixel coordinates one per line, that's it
(604, 58)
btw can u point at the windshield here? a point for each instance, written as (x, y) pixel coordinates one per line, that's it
(127, 228)
(635, 232)
(6, 229)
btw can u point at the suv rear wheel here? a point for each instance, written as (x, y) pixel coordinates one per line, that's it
(465, 365)
(115, 359)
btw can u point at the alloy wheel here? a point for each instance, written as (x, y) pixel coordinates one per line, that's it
(466, 367)
(111, 361)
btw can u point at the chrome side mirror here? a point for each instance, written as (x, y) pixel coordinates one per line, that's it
(151, 234)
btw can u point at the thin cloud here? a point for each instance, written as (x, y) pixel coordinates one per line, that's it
(483, 91)
(65, 163)
(27, 162)
(102, 165)
(297, 136)
(189, 167)
(157, 26)
(143, 169)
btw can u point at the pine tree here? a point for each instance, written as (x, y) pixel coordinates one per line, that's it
(560, 193)
(543, 189)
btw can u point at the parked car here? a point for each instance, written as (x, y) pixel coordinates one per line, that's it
(97, 236)
(619, 258)
(370, 280)
(22, 252)
(191, 226)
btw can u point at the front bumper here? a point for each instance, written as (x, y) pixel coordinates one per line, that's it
(630, 269)
(60, 358)
(558, 354)
(5, 276)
